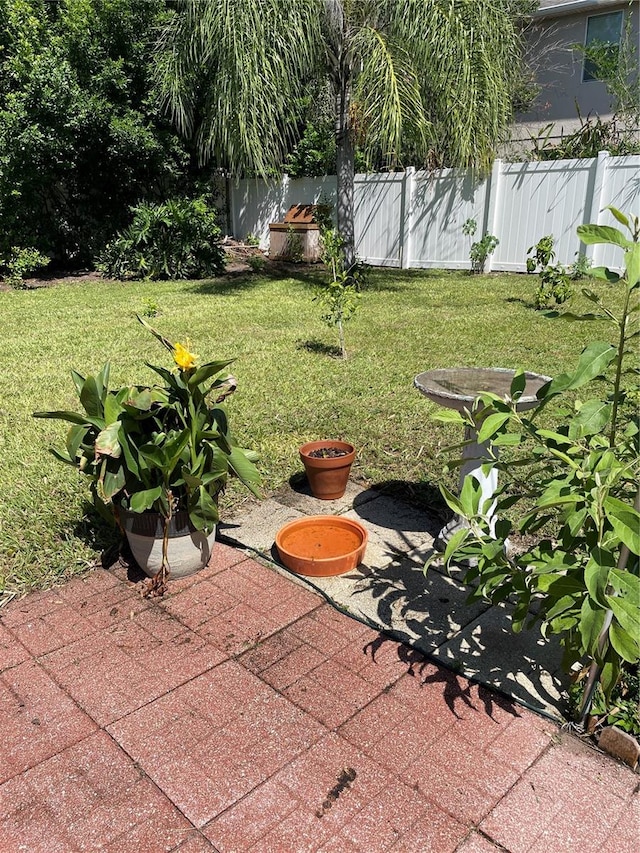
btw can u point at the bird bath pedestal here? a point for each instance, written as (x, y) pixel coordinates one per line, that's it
(458, 388)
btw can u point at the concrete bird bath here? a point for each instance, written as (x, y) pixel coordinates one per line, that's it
(458, 388)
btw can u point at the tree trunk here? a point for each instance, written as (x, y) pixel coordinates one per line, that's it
(345, 169)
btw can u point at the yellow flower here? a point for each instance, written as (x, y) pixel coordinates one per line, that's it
(183, 358)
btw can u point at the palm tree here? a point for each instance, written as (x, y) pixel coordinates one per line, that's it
(434, 76)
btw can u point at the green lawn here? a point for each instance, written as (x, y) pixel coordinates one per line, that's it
(290, 387)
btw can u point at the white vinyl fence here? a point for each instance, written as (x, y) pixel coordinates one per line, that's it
(414, 219)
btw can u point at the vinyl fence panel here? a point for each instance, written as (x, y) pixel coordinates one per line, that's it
(414, 219)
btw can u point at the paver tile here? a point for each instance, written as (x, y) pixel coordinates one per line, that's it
(245, 733)
(238, 629)
(198, 603)
(623, 837)
(388, 734)
(384, 821)
(121, 668)
(316, 772)
(30, 607)
(269, 651)
(324, 705)
(312, 631)
(53, 629)
(12, 652)
(476, 843)
(38, 719)
(195, 843)
(436, 832)
(453, 791)
(522, 741)
(89, 796)
(289, 669)
(335, 678)
(251, 818)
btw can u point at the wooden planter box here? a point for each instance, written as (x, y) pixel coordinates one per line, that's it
(297, 238)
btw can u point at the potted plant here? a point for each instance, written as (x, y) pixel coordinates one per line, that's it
(327, 464)
(158, 457)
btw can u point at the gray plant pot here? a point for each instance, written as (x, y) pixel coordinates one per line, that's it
(188, 551)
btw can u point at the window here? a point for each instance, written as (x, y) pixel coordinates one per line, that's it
(603, 35)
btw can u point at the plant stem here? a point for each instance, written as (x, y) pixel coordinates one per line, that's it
(618, 376)
(595, 669)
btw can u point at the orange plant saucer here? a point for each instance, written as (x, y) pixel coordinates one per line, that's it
(321, 545)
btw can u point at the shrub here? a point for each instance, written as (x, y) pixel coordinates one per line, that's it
(480, 250)
(177, 239)
(22, 261)
(554, 286)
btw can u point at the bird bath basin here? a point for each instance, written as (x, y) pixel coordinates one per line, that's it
(321, 545)
(458, 388)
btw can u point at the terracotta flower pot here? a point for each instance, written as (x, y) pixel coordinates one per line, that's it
(188, 551)
(328, 476)
(322, 545)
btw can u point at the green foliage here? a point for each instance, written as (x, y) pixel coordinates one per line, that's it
(581, 580)
(80, 135)
(554, 286)
(157, 447)
(623, 707)
(20, 263)
(595, 134)
(339, 296)
(178, 239)
(481, 249)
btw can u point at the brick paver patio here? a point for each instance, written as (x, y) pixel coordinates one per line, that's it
(243, 713)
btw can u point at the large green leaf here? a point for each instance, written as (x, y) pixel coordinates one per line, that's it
(618, 215)
(605, 274)
(91, 398)
(596, 575)
(113, 482)
(591, 419)
(108, 441)
(245, 470)
(492, 424)
(625, 644)
(591, 623)
(112, 409)
(206, 371)
(632, 263)
(593, 361)
(75, 438)
(203, 510)
(78, 380)
(625, 521)
(590, 234)
(143, 500)
(72, 417)
(626, 612)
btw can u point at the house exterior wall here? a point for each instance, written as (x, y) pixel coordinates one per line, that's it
(559, 66)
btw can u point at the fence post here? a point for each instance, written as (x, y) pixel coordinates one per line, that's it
(597, 199)
(231, 207)
(492, 206)
(406, 217)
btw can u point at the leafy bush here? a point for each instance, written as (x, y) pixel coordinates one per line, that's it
(481, 249)
(340, 295)
(81, 138)
(21, 262)
(554, 286)
(178, 239)
(583, 577)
